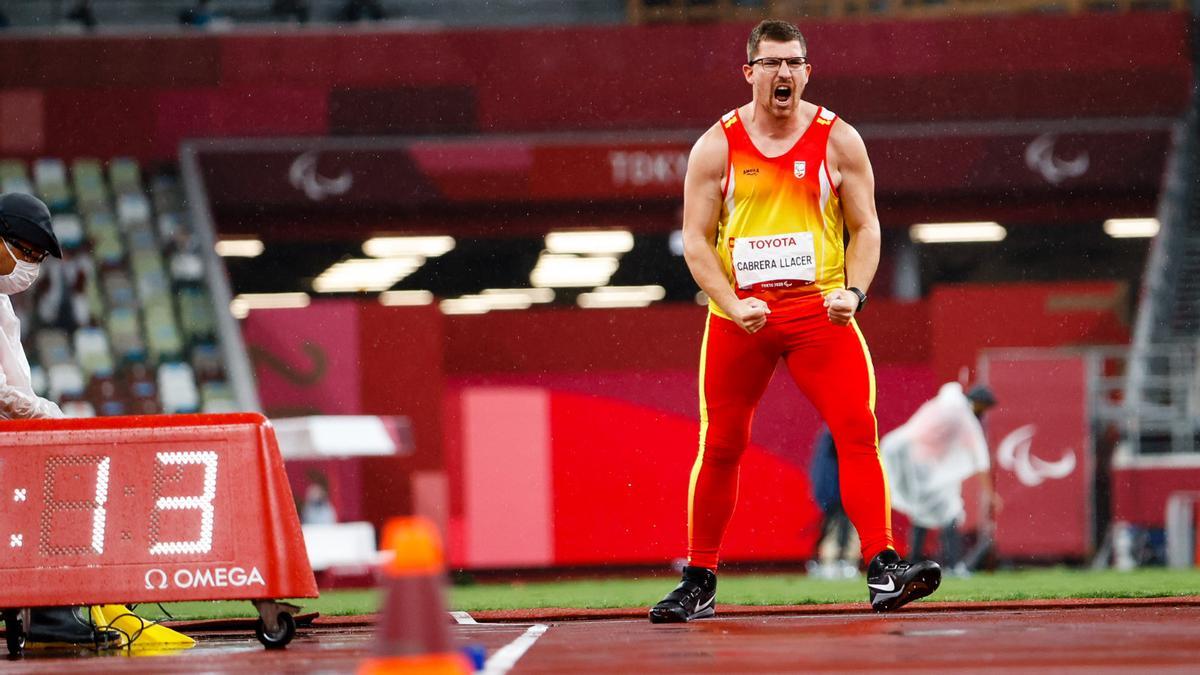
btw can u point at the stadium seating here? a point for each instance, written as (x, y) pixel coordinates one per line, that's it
(124, 324)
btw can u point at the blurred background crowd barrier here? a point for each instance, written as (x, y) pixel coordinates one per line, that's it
(466, 215)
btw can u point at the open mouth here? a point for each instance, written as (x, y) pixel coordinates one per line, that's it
(783, 93)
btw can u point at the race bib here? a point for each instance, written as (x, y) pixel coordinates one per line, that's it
(775, 261)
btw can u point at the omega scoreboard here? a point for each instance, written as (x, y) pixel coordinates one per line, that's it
(147, 509)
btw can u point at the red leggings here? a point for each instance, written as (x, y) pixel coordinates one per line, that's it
(832, 367)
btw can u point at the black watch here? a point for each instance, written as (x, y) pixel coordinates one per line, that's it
(862, 298)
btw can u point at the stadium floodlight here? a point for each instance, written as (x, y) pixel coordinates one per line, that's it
(590, 242)
(405, 298)
(464, 305)
(956, 233)
(535, 295)
(365, 274)
(241, 305)
(497, 299)
(621, 296)
(1126, 228)
(504, 300)
(400, 247)
(555, 270)
(239, 248)
(701, 298)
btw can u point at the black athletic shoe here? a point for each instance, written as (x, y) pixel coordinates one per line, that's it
(693, 598)
(68, 625)
(894, 582)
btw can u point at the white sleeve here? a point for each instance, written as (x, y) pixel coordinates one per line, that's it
(18, 405)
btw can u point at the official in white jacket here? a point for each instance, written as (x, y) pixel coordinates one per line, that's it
(928, 458)
(26, 239)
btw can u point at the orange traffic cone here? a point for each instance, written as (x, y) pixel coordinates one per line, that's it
(413, 632)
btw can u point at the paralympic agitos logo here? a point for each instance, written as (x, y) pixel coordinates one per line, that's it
(1014, 453)
(211, 577)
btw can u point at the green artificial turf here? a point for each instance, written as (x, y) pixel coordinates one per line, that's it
(742, 589)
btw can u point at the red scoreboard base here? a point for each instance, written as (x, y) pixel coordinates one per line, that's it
(162, 508)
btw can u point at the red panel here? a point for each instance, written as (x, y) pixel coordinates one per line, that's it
(402, 110)
(401, 352)
(81, 497)
(1041, 454)
(353, 58)
(608, 171)
(306, 360)
(21, 120)
(990, 163)
(897, 332)
(966, 318)
(379, 178)
(1139, 495)
(621, 77)
(507, 496)
(665, 337)
(986, 167)
(100, 122)
(119, 62)
(614, 429)
(452, 447)
(620, 489)
(239, 111)
(400, 370)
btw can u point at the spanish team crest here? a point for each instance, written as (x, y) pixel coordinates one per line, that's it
(798, 169)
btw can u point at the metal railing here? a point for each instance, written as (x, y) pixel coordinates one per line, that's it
(1161, 413)
(1161, 398)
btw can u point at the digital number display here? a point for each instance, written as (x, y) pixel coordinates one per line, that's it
(89, 506)
(146, 509)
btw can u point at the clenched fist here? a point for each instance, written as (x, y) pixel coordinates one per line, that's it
(750, 314)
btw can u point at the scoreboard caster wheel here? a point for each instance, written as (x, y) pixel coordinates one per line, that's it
(276, 626)
(14, 631)
(279, 638)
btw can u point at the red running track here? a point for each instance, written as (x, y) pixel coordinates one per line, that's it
(1109, 637)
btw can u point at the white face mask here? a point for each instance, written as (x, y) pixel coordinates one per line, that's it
(22, 276)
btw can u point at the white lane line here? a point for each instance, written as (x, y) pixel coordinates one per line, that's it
(462, 617)
(507, 656)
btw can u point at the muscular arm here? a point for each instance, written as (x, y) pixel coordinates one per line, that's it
(857, 192)
(701, 212)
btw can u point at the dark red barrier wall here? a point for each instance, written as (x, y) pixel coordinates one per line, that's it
(349, 357)
(967, 318)
(596, 386)
(657, 338)
(110, 96)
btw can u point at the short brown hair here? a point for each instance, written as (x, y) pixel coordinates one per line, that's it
(773, 30)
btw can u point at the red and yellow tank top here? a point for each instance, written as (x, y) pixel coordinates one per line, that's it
(780, 235)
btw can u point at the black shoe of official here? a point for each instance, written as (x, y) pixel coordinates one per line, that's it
(68, 625)
(693, 598)
(895, 582)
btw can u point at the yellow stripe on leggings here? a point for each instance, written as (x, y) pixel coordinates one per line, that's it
(703, 429)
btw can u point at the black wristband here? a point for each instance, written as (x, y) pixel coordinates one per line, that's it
(862, 298)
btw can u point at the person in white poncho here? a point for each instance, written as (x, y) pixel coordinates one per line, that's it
(928, 458)
(26, 239)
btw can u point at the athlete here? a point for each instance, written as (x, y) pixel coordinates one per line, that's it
(770, 190)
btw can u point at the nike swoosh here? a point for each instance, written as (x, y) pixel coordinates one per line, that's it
(884, 597)
(885, 588)
(710, 601)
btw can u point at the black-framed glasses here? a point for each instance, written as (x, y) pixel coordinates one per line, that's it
(773, 63)
(31, 255)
